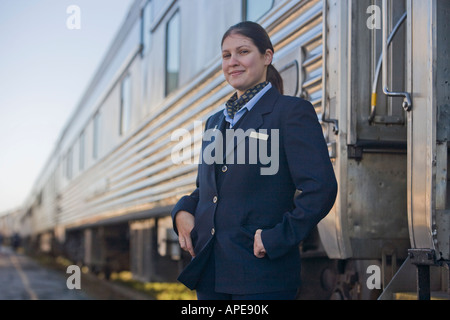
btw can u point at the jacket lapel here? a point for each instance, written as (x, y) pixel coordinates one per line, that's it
(253, 120)
(218, 125)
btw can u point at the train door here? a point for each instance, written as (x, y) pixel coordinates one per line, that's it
(369, 144)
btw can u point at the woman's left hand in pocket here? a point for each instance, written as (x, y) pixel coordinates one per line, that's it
(258, 246)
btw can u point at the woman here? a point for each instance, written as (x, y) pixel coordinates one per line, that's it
(242, 225)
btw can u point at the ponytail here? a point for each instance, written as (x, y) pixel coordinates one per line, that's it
(274, 77)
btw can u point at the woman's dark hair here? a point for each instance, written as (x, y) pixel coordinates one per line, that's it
(261, 39)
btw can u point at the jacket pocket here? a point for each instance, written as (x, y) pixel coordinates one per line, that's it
(247, 235)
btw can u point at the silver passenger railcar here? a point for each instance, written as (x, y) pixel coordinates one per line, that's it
(377, 74)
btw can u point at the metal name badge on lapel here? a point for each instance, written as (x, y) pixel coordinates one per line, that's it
(258, 135)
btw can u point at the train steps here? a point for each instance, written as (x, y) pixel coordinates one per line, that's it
(410, 283)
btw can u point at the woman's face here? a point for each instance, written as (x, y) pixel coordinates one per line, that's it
(242, 63)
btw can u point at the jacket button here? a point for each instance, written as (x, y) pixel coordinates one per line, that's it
(224, 169)
(213, 231)
(215, 199)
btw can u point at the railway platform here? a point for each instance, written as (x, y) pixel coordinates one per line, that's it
(23, 278)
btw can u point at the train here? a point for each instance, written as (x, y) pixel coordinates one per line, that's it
(377, 74)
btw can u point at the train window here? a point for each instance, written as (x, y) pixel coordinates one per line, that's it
(96, 136)
(146, 35)
(290, 75)
(82, 147)
(173, 39)
(125, 105)
(255, 9)
(69, 163)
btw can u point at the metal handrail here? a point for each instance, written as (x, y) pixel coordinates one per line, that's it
(378, 70)
(407, 102)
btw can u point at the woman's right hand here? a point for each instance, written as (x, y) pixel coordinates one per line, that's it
(185, 223)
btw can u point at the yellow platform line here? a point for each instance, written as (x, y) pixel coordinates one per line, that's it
(23, 277)
(413, 296)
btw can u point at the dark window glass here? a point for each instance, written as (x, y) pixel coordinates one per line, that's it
(69, 163)
(96, 136)
(125, 106)
(173, 53)
(146, 36)
(82, 147)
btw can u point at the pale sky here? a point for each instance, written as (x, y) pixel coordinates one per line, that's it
(44, 69)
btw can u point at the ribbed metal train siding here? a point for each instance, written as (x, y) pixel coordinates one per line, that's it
(140, 175)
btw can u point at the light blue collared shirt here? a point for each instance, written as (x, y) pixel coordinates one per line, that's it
(249, 105)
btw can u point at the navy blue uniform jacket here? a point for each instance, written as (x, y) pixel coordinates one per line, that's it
(227, 215)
